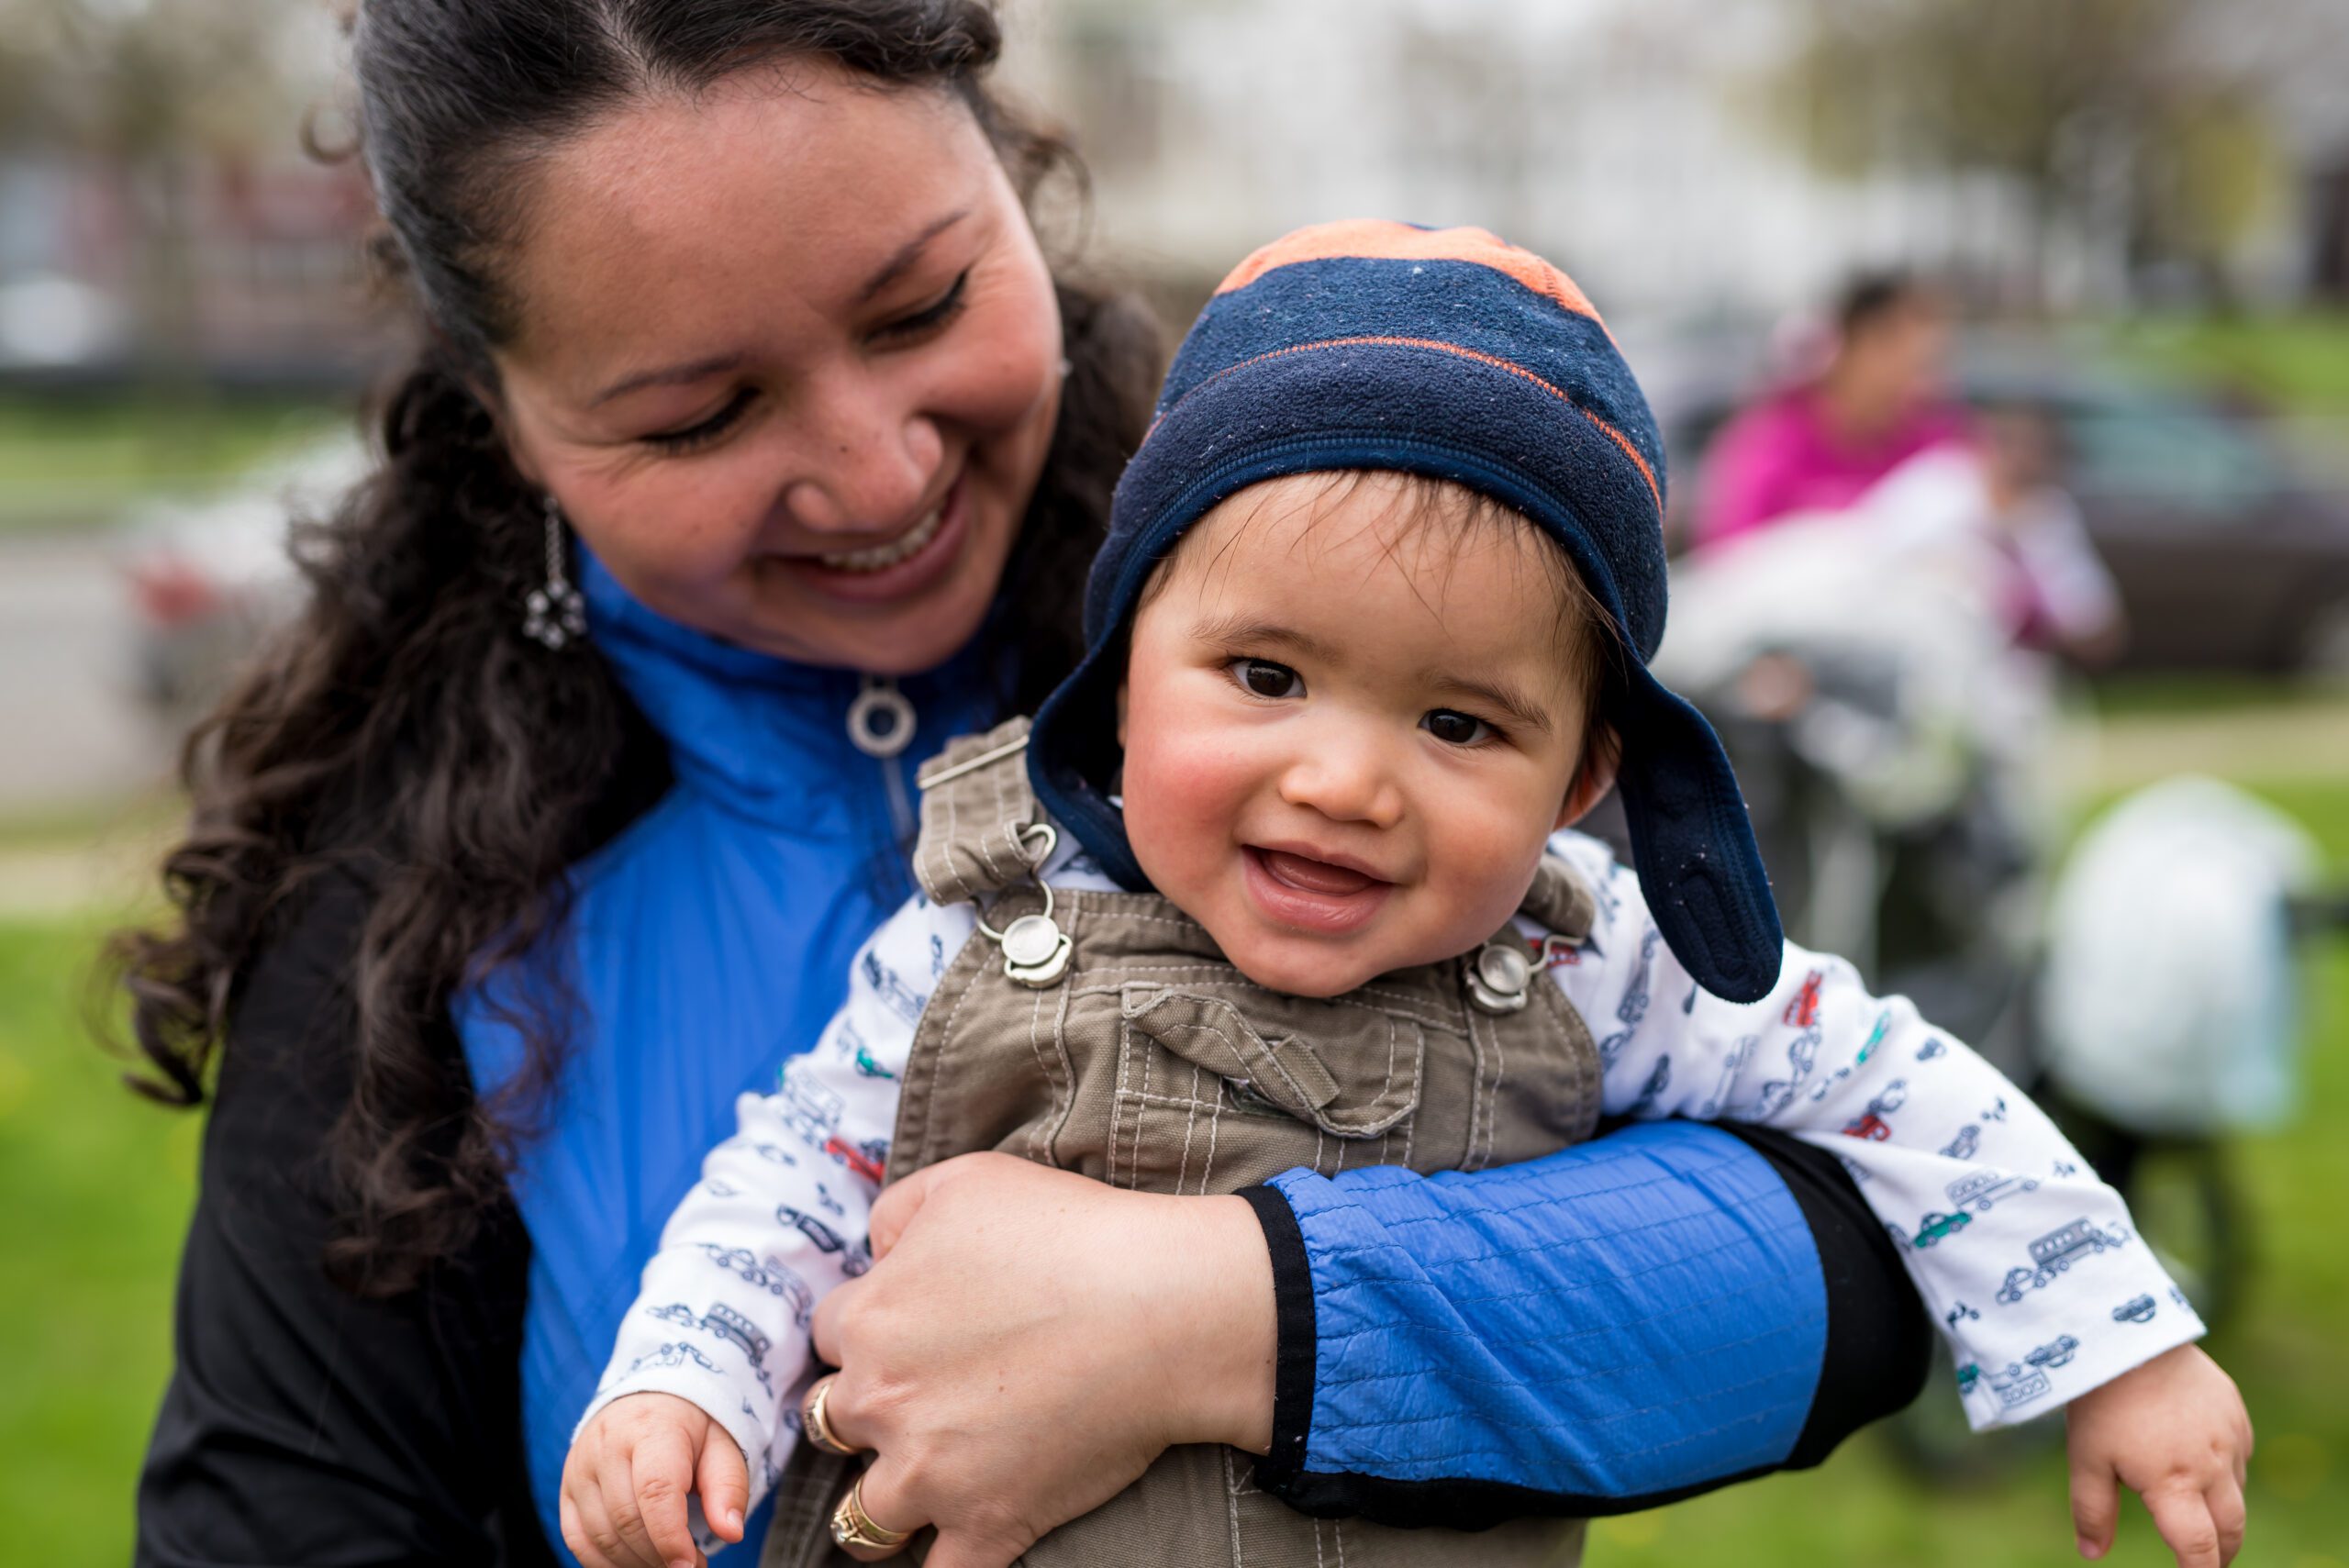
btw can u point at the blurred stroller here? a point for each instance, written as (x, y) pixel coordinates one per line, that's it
(1894, 740)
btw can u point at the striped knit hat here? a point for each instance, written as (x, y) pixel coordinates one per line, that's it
(1450, 354)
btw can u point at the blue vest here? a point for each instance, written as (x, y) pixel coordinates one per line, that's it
(709, 942)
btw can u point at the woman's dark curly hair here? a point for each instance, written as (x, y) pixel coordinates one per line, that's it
(404, 732)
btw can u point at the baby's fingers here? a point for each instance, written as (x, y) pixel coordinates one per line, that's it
(2227, 1513)
(2183, 1515)
(661, 1470)
(724, 1481)
(2096, 1504)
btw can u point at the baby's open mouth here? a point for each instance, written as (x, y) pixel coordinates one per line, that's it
(1307, 893)
(1309, 875)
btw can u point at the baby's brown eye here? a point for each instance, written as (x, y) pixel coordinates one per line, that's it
(1454, 728)
(1266, 679)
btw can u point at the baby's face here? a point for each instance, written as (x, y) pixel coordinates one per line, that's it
(1347, 735)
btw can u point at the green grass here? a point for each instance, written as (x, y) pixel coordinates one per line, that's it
(94, 1189)
(2299, 364)
(74, 461)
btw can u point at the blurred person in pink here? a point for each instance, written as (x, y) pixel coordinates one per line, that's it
(1820, 444)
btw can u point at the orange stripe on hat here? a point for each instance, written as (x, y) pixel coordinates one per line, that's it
(1374, 239)
(1623, 442)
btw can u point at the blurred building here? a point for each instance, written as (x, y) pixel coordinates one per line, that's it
(1636, 141)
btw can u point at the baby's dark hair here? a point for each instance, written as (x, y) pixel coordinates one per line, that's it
(1586, 636)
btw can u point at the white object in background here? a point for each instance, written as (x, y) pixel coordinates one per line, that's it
(2170, 1000)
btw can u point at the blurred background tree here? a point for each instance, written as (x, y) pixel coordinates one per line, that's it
(2142, 126)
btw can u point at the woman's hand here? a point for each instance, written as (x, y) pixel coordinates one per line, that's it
(1030, 1341)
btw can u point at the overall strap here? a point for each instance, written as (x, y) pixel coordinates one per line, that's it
(979, 816)
(1559, 902)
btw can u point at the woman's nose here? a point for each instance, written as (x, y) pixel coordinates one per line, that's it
(864, 464)
(1346, 780)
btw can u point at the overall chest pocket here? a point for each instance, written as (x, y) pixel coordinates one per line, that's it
(1221, 1086)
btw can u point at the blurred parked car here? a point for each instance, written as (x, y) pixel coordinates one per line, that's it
(211, 578)
(2228, 555)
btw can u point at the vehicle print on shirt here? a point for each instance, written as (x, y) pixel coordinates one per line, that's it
(2055, 1252)
(1931, 1048)
(738, 1331)
(1802, 1008)
(2179, 1296)
(670, 1355)
(2136, 1310)
(1967, 1376)
(891, 988)
(2018, 1384)
(2057, 1351)
(1980, 1190)
(1998, 1112)
(717, 1187)
(1653, 1089)
(1936, 1226)
(867, 1159)
(1870, 1124)
(937, 955)
(810, 1110)
(1859, 1173)
(869, 1066)
(774, 1153)
(1633, 1008)
(1962, 1147)
(1876, 1036)
(1958, 1313)
(828, 1203)
(826, 1239)
(1730, 1067)
(770, 1276)
(1802, 1054)
(675, 1312)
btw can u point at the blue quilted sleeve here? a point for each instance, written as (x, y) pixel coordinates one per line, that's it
(1631, 1320)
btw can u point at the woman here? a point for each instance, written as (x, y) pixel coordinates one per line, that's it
(735, 312)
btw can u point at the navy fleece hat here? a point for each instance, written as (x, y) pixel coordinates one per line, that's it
(1449, 354)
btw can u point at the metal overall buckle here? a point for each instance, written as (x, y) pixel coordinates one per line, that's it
(1035, 949)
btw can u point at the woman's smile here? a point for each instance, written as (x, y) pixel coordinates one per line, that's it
(896, 569)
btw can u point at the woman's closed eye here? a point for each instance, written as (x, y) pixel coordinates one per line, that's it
(1263, 678)
(1457, 729)
(930, 316)
(700, 434)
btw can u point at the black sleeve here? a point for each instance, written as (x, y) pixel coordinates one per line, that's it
(304, 1424)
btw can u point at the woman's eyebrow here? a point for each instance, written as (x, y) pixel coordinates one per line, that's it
(907, 254)
(671, 375)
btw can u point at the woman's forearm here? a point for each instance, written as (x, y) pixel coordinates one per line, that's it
(1657, 1313)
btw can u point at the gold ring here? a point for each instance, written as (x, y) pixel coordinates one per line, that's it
(852, 1526)
(812, 1421)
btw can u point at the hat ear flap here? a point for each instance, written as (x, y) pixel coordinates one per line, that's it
(1693, 846)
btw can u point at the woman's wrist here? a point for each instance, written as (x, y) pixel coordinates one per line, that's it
(1217, 1327)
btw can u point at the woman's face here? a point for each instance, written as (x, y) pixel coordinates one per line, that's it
(789, 357)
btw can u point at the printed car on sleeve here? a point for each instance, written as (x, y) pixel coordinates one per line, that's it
(1936, 1226)
(2138, 1309)
(1980, 1190)
(2055, 1353)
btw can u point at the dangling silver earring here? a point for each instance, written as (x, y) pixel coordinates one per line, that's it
(554, 614)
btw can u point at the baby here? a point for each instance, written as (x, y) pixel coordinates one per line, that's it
(1281, 877)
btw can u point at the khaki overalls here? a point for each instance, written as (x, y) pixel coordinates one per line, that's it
(1139, 1057)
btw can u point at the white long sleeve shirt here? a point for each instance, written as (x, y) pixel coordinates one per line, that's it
(2029, 1262)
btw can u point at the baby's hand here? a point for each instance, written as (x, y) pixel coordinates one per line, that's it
(2174, 1431)
(625, 1482)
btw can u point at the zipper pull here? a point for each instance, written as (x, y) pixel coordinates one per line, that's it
(880, 719)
